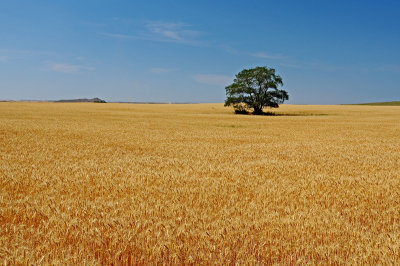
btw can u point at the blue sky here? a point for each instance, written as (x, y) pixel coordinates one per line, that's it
(327, 52)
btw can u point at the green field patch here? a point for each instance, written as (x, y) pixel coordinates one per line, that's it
(394, 103)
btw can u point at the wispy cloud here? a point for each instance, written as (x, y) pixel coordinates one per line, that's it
(69, 68)
(268, 55)
(119, 36)
(47, 58)
(15, 51)
(229, 49)
(289, 65)
(279, 59)
(173, 32)
(162, 32)
(220, 80)
(161, 70)
(7, 55)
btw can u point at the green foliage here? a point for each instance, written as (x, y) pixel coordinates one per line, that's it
(254, 89)
(395, 103)
(99, 101)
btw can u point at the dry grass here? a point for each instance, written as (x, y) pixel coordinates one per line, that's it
(127, 184)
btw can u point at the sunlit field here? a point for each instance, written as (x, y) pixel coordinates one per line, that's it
(86, 183)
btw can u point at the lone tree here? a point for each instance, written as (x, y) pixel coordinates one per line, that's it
(254, 89)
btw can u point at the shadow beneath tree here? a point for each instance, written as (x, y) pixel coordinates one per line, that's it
(278, 114)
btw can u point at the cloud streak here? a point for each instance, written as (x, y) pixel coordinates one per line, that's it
(162, 32)
(161, 70)
(69, 68)
(172, 32)
(268, 55)
(7, 55)
(15, 51)
(119, 36)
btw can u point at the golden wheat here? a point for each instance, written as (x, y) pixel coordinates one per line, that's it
(195, 184)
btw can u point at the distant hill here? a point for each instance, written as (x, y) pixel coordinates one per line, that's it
(84, 100)
(394, 103)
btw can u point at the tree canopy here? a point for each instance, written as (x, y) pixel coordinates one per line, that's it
(255, 89)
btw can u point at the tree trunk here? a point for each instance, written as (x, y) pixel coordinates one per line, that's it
(258, 110)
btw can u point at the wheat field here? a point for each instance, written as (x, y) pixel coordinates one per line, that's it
(84, 183)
